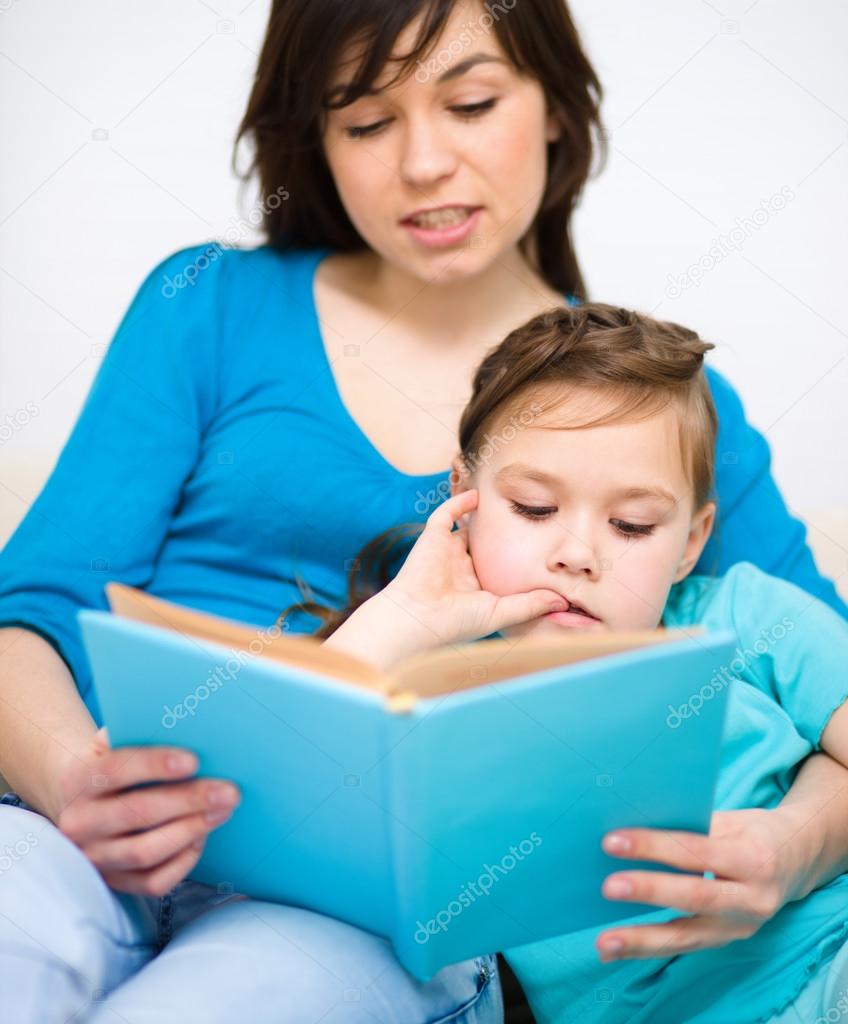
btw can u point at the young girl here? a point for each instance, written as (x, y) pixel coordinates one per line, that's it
(583, 485)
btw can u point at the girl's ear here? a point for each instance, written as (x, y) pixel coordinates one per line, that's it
(699, 534)
(459, 476)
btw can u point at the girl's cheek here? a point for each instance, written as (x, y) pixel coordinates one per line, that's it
(501, 567)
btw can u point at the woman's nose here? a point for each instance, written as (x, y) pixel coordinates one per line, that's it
(427, 155)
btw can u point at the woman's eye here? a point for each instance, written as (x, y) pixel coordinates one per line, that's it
(632, 529)
(359, 132)
(467, 110)
(533, 511)
(474, 109)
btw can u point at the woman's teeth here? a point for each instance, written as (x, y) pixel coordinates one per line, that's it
(448, 217)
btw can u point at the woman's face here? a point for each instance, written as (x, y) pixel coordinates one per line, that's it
(602, 515)
(464, 133)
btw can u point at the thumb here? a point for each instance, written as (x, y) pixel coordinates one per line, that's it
(516, 608)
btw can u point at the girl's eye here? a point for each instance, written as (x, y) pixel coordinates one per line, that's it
(468, 110)
(632, 529)
(533, 511)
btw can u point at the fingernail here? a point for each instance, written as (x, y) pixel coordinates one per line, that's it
(611, 945)
(181, 763)
(216, 817)
(618, 887)
(559, 607)
(614, 843)
(198, 844)
(221, 796)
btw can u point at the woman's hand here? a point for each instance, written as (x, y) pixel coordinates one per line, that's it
(438, 588)
(140, 840)
(750, 854)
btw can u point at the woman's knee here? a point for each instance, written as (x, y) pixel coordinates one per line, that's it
(53, 900)
(313, 965)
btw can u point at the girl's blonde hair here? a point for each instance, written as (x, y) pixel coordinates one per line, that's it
(636, 365)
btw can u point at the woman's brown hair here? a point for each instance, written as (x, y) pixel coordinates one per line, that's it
(304, 41)
(636, 366)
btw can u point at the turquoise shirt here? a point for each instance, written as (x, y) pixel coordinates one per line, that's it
(788, 675)
(214, 462)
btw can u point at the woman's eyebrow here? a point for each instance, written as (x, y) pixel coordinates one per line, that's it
(452, 72)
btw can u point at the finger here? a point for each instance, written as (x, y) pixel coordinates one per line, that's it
(451, 509)
(100, 742)
(146, 850)
(130, 811)
(683, 935)
(160, 879)
(129, 766)
(689, 851)
(515, 608)
(689, 893)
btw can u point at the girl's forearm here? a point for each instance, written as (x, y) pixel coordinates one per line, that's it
(382, 632)
(816, 812)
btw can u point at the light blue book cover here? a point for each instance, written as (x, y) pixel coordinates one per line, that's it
(454, 825)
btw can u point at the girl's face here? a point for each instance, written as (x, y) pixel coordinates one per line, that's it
(464, 132)
(602, 515)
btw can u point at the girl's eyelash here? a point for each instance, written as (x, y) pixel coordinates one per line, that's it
(632, 529)
(538, 512)
(532, 511)
(467, 111)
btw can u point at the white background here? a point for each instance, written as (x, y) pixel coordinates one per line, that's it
(117, 128)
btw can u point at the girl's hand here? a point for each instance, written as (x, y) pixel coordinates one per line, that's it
(435, 598)
(438, 590)
(747, 851)
(140, 840)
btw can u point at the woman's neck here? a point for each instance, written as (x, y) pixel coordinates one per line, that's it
(459, 310)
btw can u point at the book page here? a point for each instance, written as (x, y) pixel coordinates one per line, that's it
(303, 651)
(465, 665)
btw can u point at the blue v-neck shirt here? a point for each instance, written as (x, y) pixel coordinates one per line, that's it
(214, 462)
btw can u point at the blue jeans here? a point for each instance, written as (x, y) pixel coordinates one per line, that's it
(74, 950)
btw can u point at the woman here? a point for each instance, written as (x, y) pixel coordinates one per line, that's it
(190, 473)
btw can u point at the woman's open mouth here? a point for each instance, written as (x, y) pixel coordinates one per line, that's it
(448, 225)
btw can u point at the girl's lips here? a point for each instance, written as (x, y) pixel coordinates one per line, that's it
(436, 238)
(574, 619)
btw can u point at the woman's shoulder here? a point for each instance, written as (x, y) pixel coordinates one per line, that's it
(225, 266)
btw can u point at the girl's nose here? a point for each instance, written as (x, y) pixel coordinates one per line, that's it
(574, 553)
(427, 155)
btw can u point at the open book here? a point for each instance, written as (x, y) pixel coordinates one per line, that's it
(454, 805)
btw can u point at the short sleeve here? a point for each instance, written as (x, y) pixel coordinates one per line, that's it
(753, 523)
(106, 508)
(792, 646)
